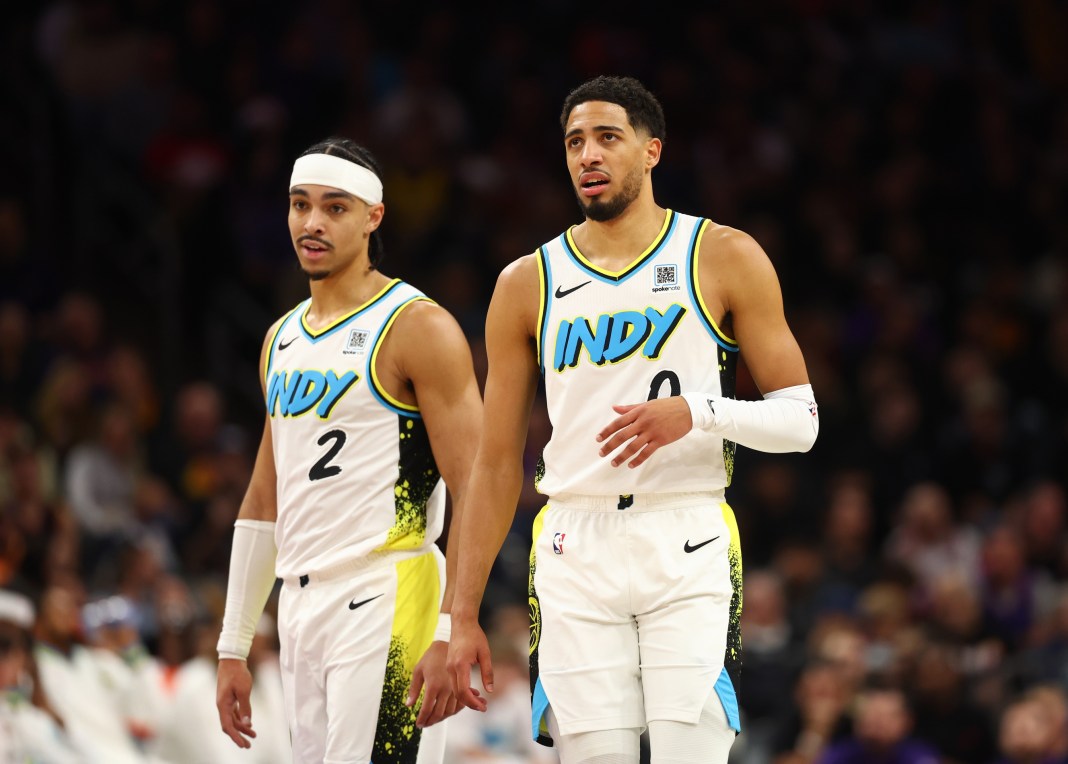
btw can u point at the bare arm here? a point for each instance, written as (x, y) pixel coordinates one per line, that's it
(497, 476)
(736, 278)
(436, 359)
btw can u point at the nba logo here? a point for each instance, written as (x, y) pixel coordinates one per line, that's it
(558, 543)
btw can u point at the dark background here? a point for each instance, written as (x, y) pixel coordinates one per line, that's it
(904, 165)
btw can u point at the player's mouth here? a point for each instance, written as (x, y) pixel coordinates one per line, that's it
(313, 248)
(592, 183)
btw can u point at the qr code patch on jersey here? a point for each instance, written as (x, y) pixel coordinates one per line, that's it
(357, 341)
(665, 277)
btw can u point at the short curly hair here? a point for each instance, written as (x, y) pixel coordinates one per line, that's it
(643, 109)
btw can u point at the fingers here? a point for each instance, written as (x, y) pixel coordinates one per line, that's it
(237, 724)
(470, 697)
(617, 424)
(415, 688)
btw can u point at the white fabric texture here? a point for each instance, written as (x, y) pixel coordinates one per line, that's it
(250, 583)
(786, 420)
(336, 172)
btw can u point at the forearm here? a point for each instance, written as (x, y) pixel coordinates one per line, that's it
(786, 420)
(488, 514)
(251, 580)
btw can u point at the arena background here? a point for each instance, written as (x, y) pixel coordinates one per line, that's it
(904, 164)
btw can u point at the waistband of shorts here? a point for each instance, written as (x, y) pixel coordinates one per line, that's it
(636, 502)
(348, 568)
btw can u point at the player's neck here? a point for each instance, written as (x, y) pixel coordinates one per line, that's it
(618, 241)
(341, 293)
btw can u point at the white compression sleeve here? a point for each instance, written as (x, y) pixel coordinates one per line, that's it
(250, 582)
(786, 420)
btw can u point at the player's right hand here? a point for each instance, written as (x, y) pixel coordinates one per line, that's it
(232, 699)
(469, 647)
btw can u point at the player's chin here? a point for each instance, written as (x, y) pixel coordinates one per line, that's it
(316, 274)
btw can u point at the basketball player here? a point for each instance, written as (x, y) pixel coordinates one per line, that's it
(371, 400)
(634, 319)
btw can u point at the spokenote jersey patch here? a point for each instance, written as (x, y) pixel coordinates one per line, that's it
(666, 278)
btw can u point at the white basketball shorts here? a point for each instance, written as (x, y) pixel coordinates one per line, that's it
(348, 646)
(635, 604)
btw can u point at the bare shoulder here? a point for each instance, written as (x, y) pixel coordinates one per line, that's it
(520, 275)
(427, 325)
(731, 248)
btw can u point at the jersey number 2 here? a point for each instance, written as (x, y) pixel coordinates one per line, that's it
(323, 468)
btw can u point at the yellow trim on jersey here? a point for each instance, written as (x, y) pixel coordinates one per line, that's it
(695, 275)
(271, 347)
(378, 344)
(668, 217)
(347, 316)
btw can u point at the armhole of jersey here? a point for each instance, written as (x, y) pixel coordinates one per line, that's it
(273, 343)
(545, 285)
(377, 389)
(694, 280)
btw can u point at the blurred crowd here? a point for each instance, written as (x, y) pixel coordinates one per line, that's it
(904, 164)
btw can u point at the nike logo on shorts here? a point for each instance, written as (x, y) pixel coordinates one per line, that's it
(561, 292)
(687, 548)
(354, 604)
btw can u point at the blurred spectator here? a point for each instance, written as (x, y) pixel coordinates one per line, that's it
(928, 542)
(773, 657)
(945, 712)
(100, 480)
(29, 729)
(818, 716)
(72, 677)
(1032, 730)
(882, 722)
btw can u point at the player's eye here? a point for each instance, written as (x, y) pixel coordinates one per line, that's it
(337, 209)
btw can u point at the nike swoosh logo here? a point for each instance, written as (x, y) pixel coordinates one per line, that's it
(687, 548)
(284, 345)
(560, 292)
(353, 605)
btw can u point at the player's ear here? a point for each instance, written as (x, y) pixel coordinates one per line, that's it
(375, 213)
(653, 146)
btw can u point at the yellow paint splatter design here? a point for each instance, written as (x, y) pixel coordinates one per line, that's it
(417, 477)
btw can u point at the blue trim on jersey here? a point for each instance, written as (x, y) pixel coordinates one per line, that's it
(371, 358)
(634, 267)
(278, 336)
(729, 699)
(690, 265)
(546, 268)
(539, 704)
(313, 338)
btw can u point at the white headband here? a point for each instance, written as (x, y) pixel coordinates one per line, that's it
(333, 171)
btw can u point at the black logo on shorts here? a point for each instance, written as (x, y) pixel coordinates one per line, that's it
(561, 292)
(284, 345)
(687, 548)
(353, 605)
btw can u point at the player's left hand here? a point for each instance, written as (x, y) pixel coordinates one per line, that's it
(648, 426)
(439, 700)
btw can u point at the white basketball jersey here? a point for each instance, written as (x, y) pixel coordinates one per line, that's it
(355, 470)
(624, 337)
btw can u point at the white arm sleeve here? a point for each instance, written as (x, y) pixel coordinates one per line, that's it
(250, 582)
(786, 420)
